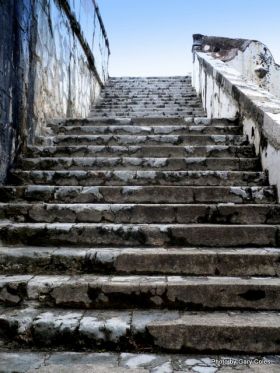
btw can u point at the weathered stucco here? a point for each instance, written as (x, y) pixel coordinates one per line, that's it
(251, 58)
(54, 61)
(226, 93)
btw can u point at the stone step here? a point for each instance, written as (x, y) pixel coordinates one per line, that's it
(157, 89)
(138, 106)
(241, 262)
(155, 99)
(119, 79)
(136, 163)
(146, 82)
(114, 121)
(148, 130)
(246, 332)
(138, 292)
(62, 140)
(138, 194)
(187, 92)
(119, 97)
(152, 98)
(134, 100)
(166, 88)
(157, 235)
(161, 109)
(178, 111)
(149, 104)
(147, 88)
(144, 113)
(150, 79)
(164, 151)
(139, 178)
(20, 361)
(141, 213)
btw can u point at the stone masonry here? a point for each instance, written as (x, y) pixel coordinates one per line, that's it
(145, 230)
(53, 63)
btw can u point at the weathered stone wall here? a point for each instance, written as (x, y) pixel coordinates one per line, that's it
(251, 58)
(257, 64)
(226, 94)
(54, 61)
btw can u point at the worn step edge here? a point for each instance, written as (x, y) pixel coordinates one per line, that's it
(140, 140)
(141, 292)
(138, 194)
(156, 235)
(141, 213)
(141, 121)
(141, 260)
(178, 129)
(138, 163)
(156, 151)
(105, 177)
(246, 332)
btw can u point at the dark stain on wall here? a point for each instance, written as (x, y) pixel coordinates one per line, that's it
(15, 18)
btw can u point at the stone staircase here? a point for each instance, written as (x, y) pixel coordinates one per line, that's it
(148, 97)
(144, 228)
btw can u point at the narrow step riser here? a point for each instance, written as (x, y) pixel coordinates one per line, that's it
(137, 331)
(171, 106)
(187, 262)
(144, 140)
(152, 103)
(177, 112)
(161, 104)
(190, 178)
(153, 96)
(143, 235)
(130, 163)
(131, 101)
(141, 214)
(190, 121)
(138, 194)
(191, 336)
(158, 90)
(142, 151)
(157, 93)
(136, 292)
(151, 114)
(135, 130)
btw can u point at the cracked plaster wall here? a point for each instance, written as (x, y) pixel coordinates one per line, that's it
(51, 66)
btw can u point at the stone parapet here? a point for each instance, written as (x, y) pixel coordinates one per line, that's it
(226, 93)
